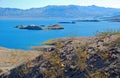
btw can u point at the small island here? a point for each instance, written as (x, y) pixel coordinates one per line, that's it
(67, 22)
(88, 20)
(35, 27)
(114, 19)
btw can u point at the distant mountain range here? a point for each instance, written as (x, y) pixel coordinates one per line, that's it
(71, 11)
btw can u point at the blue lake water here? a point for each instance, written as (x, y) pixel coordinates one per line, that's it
(11, 37)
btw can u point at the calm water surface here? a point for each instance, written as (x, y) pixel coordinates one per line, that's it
(11, 37)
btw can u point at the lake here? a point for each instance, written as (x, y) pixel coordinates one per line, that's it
(11, 37)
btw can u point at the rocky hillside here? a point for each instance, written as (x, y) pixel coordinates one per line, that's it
(80, 57)
(10, 58)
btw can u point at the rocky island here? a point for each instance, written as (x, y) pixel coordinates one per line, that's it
(78, 57)
(86, 20)
(34, 27)
(114, 19)
(67, 22)
(29, 27)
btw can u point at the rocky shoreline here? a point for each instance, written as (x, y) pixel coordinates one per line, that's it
(78, 57)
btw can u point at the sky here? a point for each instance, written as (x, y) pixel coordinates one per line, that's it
(26, 4)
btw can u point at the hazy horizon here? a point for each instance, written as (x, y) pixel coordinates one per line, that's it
(59, 5)
(27, 4)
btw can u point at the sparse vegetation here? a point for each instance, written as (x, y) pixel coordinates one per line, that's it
(108, 32)
(48, 41)
(1, 70)
(81, 58)
(94, 57)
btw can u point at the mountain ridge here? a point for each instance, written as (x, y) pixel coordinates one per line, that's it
(71, 11)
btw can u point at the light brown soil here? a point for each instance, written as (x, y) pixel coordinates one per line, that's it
(10, 58)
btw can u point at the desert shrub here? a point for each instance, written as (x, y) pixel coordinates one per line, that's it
(1, 70)
(56, 68)
(81, 58)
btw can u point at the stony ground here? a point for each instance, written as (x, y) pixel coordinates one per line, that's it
(10, 58)
(79, 57)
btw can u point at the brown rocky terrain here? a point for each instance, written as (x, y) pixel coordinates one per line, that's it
(10, 58)
(79, 57)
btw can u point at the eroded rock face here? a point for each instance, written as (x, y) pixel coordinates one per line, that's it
(75, 58)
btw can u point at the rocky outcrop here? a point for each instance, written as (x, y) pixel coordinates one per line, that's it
(80, 57)
(45, 48)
